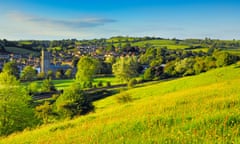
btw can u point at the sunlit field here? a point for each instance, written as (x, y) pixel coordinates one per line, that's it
(197, 109)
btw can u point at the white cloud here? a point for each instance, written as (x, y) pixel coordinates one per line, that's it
(17, 23)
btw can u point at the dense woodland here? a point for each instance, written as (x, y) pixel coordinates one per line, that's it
(146, 58)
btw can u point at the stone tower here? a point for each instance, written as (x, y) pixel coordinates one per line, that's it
(45, 61)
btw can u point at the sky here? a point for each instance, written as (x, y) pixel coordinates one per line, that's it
(89, 19)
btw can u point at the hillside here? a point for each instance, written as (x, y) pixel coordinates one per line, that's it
(197, 109)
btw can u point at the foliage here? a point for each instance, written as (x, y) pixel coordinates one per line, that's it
(28, 74)
(41, 75)
(132, 83)
(108, 83)
(48, 86)
(194, 109)
(16, 114)
(73, 102)
(124, 97)
(87, 67)
(44, 111)
(68, 73)
(11, 68)
(125, 68)
(33, 88)
(224, 59)
(100, 84)
(50, 74)
(58, 75)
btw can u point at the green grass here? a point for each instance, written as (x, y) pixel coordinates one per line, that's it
(20, 50)
(196, 109)
(161, 43)
(25, 42)
(64, 83)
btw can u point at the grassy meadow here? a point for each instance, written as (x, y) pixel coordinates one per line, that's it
(63, 83)
(196, 109)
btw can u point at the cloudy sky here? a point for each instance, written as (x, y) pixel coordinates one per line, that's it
(88, 19)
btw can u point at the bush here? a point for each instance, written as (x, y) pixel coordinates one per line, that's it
(73, 102)
(100, 84)
(48, 86)
(124, 97)
(132, 83)
(108, 83)
(44, 111)
(148, 74)
(33, 88)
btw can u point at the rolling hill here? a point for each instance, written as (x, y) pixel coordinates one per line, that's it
(196, 109)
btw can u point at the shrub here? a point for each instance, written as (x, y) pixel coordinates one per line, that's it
(108, 83)
(100, 84)
(48, 86)
(148, 74)
(132, 83)
(124, 97)
(44, 111)
(73, 102)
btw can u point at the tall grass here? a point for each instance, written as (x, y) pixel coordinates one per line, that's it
(197, 109)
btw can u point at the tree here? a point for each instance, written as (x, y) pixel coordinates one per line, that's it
(41, 75)
(224, 59)
(33, 88)
(16, 114)
(125, 68)
(48, 86)
(185, 67)
(148, 74)
(44, 111)
(11, 68)
(68, 73)
(87, 67)
(73, 102)
(29, 74)
(49, 74)
(58, 74)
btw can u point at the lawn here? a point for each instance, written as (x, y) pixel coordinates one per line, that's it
(195, 109)
(63, 83)
(20, 50)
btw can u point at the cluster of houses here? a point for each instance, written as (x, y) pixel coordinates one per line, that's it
(21, 59)
(54, 60)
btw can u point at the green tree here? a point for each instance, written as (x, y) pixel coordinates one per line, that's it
(125, 68)
(11, 68)
(44, 111)
(15, 112)
(41, 75)
(87, 67)
(73, 102)
(48, 86)
(68, 73)
(224, 59)
(50, 74)
(132, 83)
(58, 74)
(28, 74)
(33, 88)
(148, 74)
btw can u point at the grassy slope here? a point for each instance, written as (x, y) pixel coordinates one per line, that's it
(61, 84)
(161, 43)
(20, 50)
(198, 109)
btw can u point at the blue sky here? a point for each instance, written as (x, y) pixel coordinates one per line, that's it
(88, 19)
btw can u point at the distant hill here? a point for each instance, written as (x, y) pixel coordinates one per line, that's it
(195, 109)
(122, 42)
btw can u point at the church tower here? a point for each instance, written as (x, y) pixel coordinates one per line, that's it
(45, 61)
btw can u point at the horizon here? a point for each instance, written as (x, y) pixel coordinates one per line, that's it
(84, 20)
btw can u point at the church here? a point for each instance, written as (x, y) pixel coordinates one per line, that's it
(46, 64)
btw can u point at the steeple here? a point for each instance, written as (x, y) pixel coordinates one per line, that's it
(45, 61)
